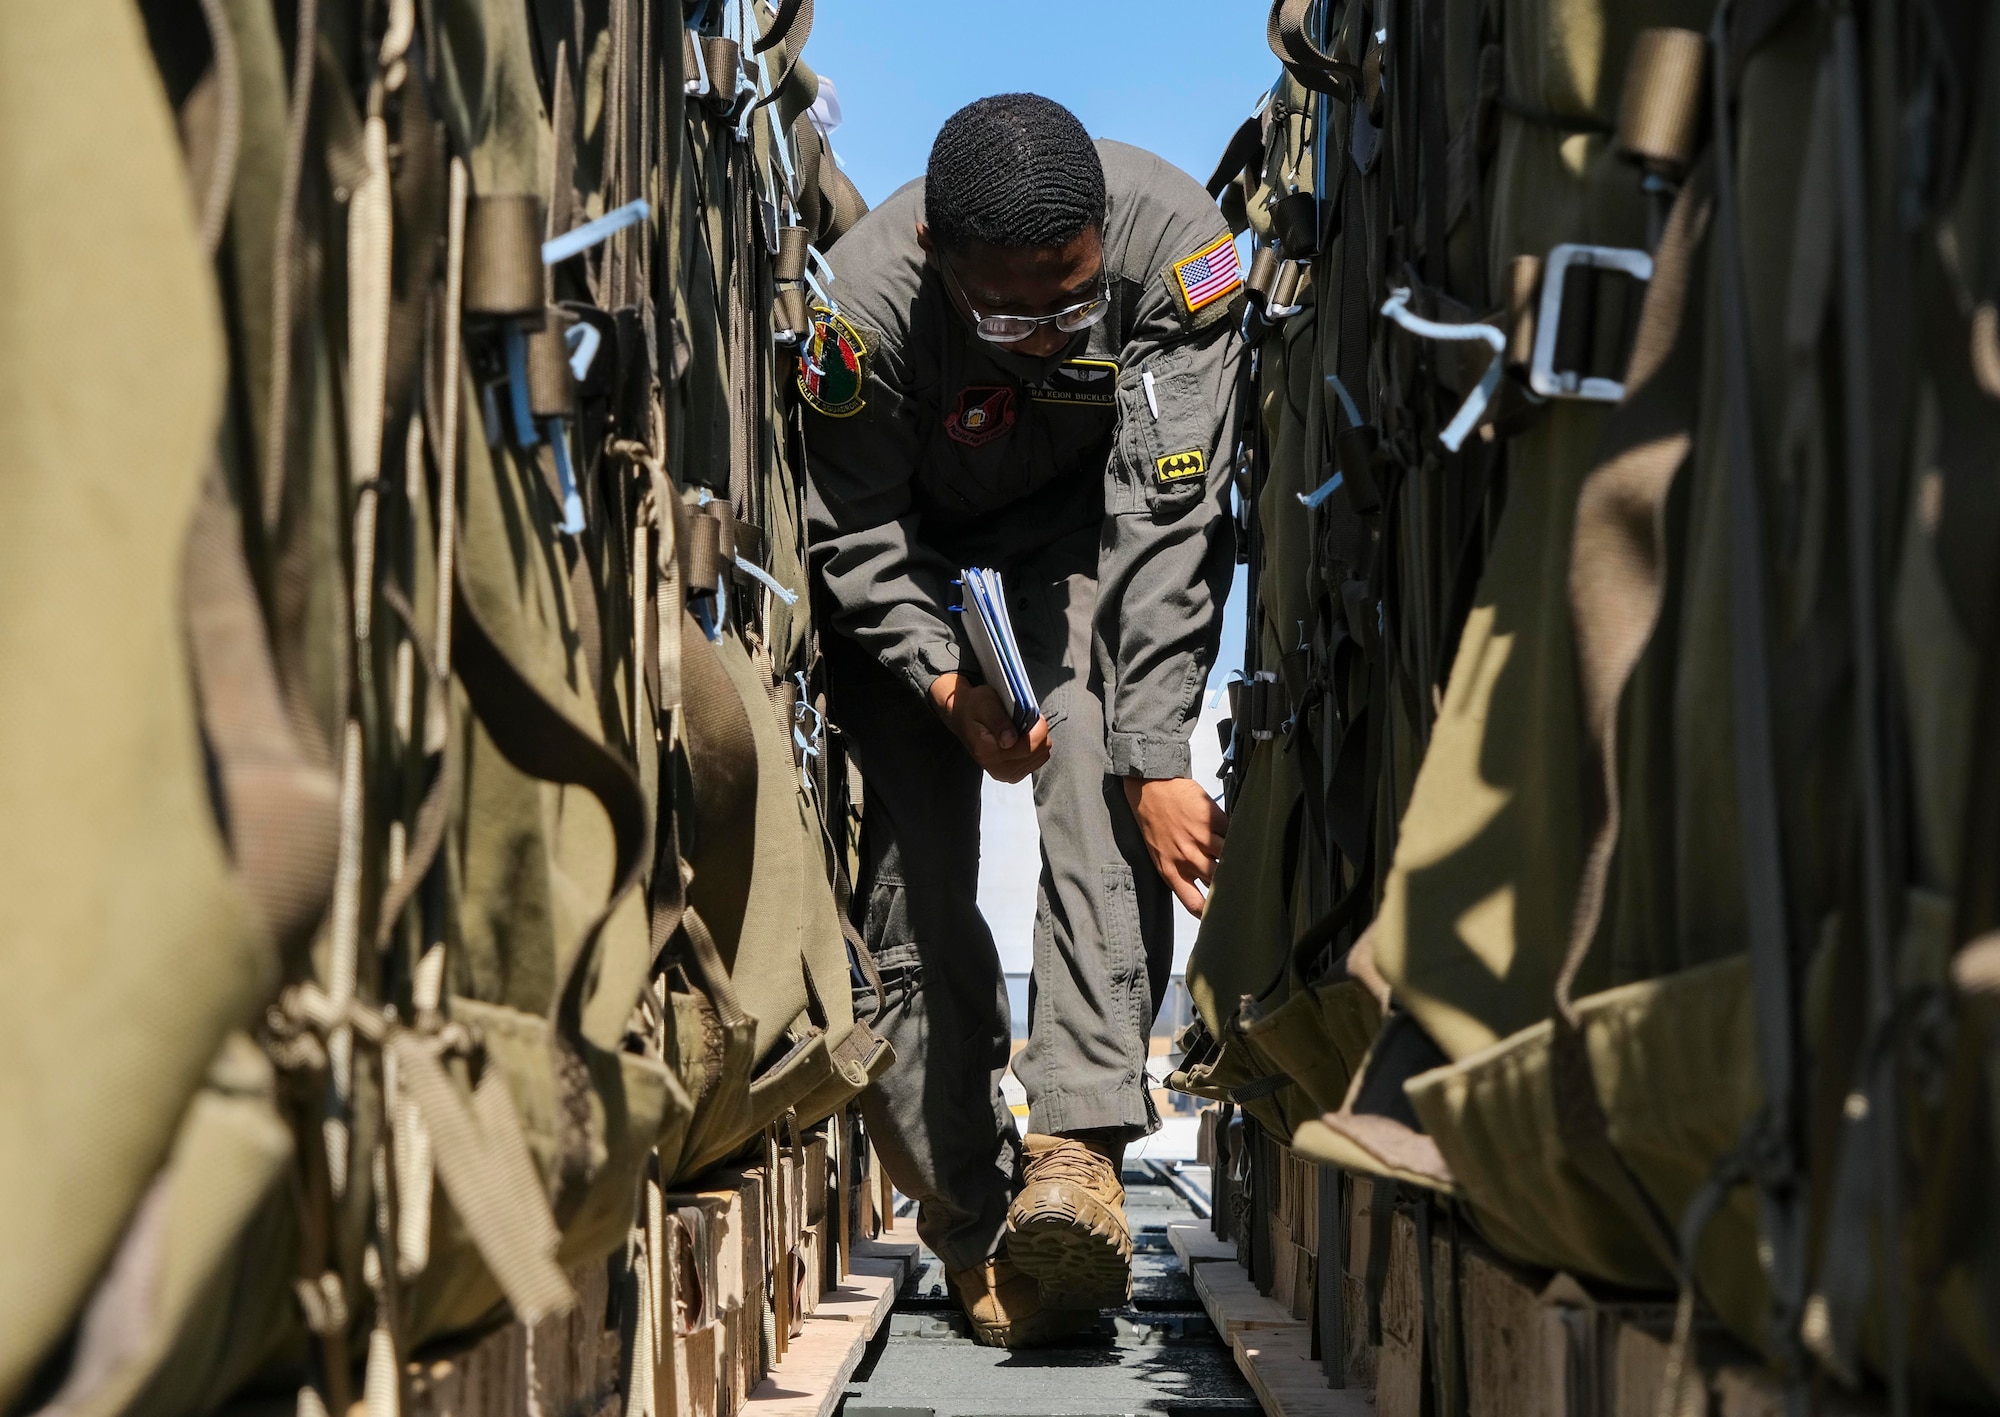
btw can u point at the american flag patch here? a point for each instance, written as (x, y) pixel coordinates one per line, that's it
(1210, 274)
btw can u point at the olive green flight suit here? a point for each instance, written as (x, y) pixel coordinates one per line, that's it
(1096, 481)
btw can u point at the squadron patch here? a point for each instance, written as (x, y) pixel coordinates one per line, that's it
(1211, 274)
(1179, 467)
(982, 414)
(833, 366)
(1079, 381)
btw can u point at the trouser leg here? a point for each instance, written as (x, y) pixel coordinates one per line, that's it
(1104, 929)
(935, 1116)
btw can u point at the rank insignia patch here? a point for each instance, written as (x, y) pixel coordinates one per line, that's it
(1080, 381)
(1179, 467)
(982, 415)
(833, 366)
(1213, 273)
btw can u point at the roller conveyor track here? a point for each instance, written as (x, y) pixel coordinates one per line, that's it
(1159, 1354)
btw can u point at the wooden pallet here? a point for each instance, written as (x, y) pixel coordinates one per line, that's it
(812, 1377)
(1273, 1349)
(1287, 1378)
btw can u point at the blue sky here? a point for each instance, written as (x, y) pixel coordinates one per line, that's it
(1169, 75)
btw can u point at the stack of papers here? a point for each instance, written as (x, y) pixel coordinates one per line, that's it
(984, 605)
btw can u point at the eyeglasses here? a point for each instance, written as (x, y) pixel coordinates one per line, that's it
(1012, 329)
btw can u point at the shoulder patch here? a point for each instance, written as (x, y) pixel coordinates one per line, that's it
(833, 366)
(1079, 381)
(1208, 277)
(1179, 467)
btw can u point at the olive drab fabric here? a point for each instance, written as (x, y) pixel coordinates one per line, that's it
(421, 824)
(117, 880)
(1614, 729)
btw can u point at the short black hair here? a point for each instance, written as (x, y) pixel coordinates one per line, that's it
(1015, 169)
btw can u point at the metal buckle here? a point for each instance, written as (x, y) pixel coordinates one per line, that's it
(1543, 376)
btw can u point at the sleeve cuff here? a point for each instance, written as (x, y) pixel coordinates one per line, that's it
(924, 664)
(1137, 755)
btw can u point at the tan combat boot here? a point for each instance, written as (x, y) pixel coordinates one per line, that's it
(1007, 1310)
(1067, 1227)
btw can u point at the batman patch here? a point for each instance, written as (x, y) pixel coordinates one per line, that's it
(1179, 467)
(1091, 382)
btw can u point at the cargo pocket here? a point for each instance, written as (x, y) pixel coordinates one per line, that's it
(1166, 437)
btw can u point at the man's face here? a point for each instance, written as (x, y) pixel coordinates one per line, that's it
(1023, 280)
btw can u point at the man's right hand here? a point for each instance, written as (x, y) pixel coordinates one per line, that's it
(975, 714)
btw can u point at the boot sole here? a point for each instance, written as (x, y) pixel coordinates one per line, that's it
(1079, 1260)
(1038, 1332)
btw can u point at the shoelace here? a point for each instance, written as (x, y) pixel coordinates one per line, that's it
(1076, 1163)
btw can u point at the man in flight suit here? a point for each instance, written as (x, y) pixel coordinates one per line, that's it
(1029, 365)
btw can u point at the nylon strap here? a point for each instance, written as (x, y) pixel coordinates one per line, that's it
(1869, 1176)
(279, 799)
(541, 740)
(1304, 60)
(483, 1162)
(1659, 113)
(1765, 903)
(433, 813)
(1617, 588)
(1244, 152)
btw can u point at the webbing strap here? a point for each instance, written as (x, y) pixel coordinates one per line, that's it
(719, 839)
(540, 739)
(278, 799)
(1659, 113)
(1869, 1175)
(483, 1162)
(503, 257)
(1617, 588)
(448, 393)
(1245, 151)
(221, 159)
(792, 15)
(1618, 555)
(721, 989)
(1765, 905)
(1304, 60)
(287, 273)
(434, 811)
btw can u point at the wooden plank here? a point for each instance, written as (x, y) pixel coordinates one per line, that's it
(1287, 1379)
(1507, 1353)
(1361, 1354)
(860, 1298)
(1285, 1273)
(885, 1250)
(573, 1358)
(812, 1378)
(1233, 1302)
(1194, 1242)
(1399, 1371)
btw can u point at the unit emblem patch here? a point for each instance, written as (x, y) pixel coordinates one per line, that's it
(1080, 381)
(1213, 273)
(982, 414)
(1179, 467)
(833, 366)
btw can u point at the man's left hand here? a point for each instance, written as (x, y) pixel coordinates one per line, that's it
(1184, 829)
